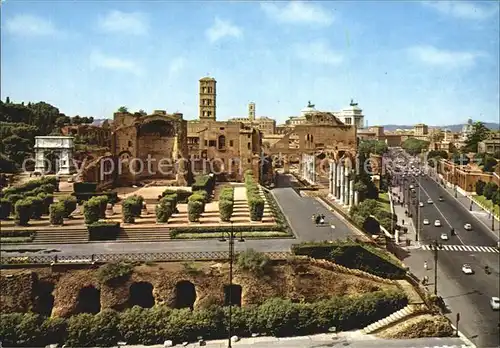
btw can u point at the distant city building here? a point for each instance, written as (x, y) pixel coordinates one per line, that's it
(351, 115)
(265, 124)
(421, 129)
(467, 129)
(490, 145)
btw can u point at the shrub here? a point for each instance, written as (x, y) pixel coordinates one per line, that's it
(226, 209)
(48, 188)
(227, 193)
(92, 210)
(5, 208)
(131, 208)
(103, 230)
(480, 184)
(137, 205)
(171, 198)
(103, 203)
(69, 205)
(22, 212)
(253, 261)
(80, 187)
(36, 207)
(164, 210)
(56, 213)
(205, 183)
(47, 200)
(489, 189)
(195, 209)
(13, 198)
(256, 205)
(114, 270)
(182, 195)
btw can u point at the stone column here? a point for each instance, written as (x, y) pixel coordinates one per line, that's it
(64, 162)
(339, 181)
(351, 195)
(313, 174)
(356, 197)
(334, 179)
(346, 184)
(342, 183)
(39, 161)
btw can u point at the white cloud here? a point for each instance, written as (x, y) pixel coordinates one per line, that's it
(176, 65)
(132, 23)
(464, 9)
(100, 60)
(298, 12)
(221, 29)
(30, 25)
(319, 52)
(431, 55)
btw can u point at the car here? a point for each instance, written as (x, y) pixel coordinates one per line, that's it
(412, 187)
(437, 223)
(467, 269)
(420, 204)
(444, 236)
(441, 199)
(495, 303)
(467, 227)
(429, 201)
(426, 221)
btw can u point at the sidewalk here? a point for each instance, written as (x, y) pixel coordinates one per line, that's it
(399, 211)
(478, 212)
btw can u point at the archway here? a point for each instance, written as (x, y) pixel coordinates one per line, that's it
(185, 294)
(52, 162)
(88, 300)
(232, 295)
(141, 294)
(45, 299)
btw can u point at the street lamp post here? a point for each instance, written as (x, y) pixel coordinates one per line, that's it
(231, 236)
(333, 232)
(436, 246)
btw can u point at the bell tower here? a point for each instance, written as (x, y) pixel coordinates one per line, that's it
(207, 99)
(251, 111)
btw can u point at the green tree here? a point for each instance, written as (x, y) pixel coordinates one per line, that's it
(76, 120)
(496, 197)
(480, 184)
(479, 133)
(61, 121)
(489, 190)
(122, 109)
(489, 163)
(415, 146)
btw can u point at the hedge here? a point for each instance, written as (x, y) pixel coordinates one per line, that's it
(69, 205)
(220, 229)
(164, 210)
(5, 208)
(227, 193)
(199, 196)
(15, 233)
(84, 187)
(353, 255)
(13, 198)
(31, 185)
(103, 203)
(56, 213)
(131, 208)
(22, 212)
(255, 201)
(182, 195)
(36, 207)
(47, 200)
(195, 209)
(103, 230)
(85, 196)
(204, 182)
(92, 210)
(140, 326)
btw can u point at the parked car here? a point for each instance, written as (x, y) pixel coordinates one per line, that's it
(444, 236)
(467, 227)
(437, 223)
(441, 198)
(426, 221)
(420, 204)
(495, 303)
(429, 201)
(467, 269)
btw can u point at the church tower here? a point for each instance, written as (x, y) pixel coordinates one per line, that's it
(251, 111)
(207, 99)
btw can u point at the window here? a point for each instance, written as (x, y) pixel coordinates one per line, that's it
(206, 142)
(209, 102)
(129, 143)
(231, 143)
(209, 113)
(249, 160)
(212, 143)
(221, 128)
(249, 135)
(222, 142)
(249, 146)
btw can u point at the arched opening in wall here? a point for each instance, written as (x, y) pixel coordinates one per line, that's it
(185, 294)
(232, 295)
(222, 142)
(44, 299)
(141, 294)
(52, 162)
(88, 300)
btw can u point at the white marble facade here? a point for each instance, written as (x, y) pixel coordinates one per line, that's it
(61, 145)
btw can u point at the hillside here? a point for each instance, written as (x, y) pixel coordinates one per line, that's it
(452, 127)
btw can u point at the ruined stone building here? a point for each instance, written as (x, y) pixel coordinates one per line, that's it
(228, 148)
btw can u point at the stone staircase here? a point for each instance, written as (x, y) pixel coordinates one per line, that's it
(144, 234)
(62, 236)
(405, 313)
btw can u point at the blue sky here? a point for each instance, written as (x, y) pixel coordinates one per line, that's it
(403, 62)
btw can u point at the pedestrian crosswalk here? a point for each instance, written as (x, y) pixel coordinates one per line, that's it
(469, 248)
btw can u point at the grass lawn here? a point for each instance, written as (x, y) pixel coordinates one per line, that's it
(384, 202)
(488, 204)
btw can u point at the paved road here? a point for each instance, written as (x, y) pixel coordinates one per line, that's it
(299, 211)
(346, 339)
(465, 294)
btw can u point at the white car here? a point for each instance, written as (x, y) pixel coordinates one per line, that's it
(437, 223)
(412, 187)
(467, 269)
(444, 236)
(420, 204)
(426, 222)
(467, 227)
(429, 201)
(495, 303)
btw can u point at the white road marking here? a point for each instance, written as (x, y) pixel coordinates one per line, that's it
(463, 248)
